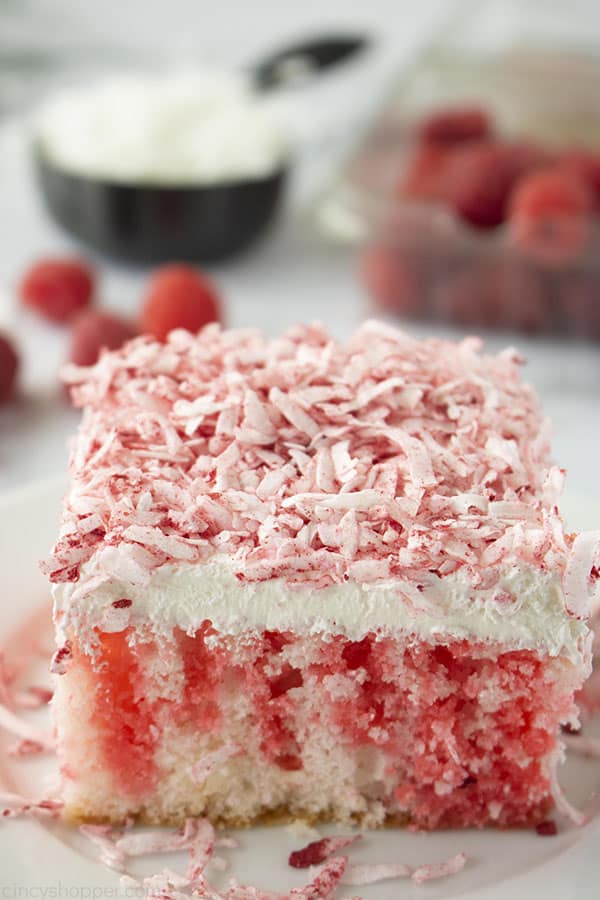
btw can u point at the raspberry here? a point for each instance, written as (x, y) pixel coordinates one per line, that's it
(579, 304)
(9, 366)
(57, 288)
(179, 297)
(454, 125)
(392, 279)
(584, 165)
(550, 212)
(492, 295)
(478, 179)
(528, 304)
(93, 330)
(423, 172)
(521, 157)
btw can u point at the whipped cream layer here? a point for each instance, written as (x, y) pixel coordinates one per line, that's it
(523, 610)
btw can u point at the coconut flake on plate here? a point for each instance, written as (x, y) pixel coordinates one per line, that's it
(433, 871)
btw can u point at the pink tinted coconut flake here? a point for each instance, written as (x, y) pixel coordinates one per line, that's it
(323, 885)
(372, 874)
(433, 871)
(318, 851)
(415, 458)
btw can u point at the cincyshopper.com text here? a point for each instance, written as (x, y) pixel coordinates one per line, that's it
(59, 891)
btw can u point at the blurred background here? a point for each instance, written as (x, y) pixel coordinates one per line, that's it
(436, 164)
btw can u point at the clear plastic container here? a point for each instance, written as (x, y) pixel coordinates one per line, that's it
(535, 69)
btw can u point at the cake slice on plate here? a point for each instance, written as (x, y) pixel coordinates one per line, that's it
(298, 578)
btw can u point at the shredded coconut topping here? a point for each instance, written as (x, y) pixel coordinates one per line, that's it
(372, 873)
(323, 885)
(26, 747)
(21, 728)
(33, 697)
(318, 851)
(432, 871)
(102, 837)
(313, 461)
(576, 816)
(12, 805)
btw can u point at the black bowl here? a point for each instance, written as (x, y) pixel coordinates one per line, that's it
(149, 223)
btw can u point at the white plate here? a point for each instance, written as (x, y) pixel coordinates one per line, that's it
(39, 860)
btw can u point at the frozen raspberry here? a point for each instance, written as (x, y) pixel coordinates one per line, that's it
(494, 294)
(9, 366)
(392, 279)
(521, 157)
(94, 330)
(529, 308)
(578, 300)
(423, 173)
(57, 288)
(478, 179)
(454, 125)
(179, 297)
(585, 165)
(550, 215)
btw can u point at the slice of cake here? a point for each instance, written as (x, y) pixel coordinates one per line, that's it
(297, 578)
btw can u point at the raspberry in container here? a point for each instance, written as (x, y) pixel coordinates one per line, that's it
(474, 195)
